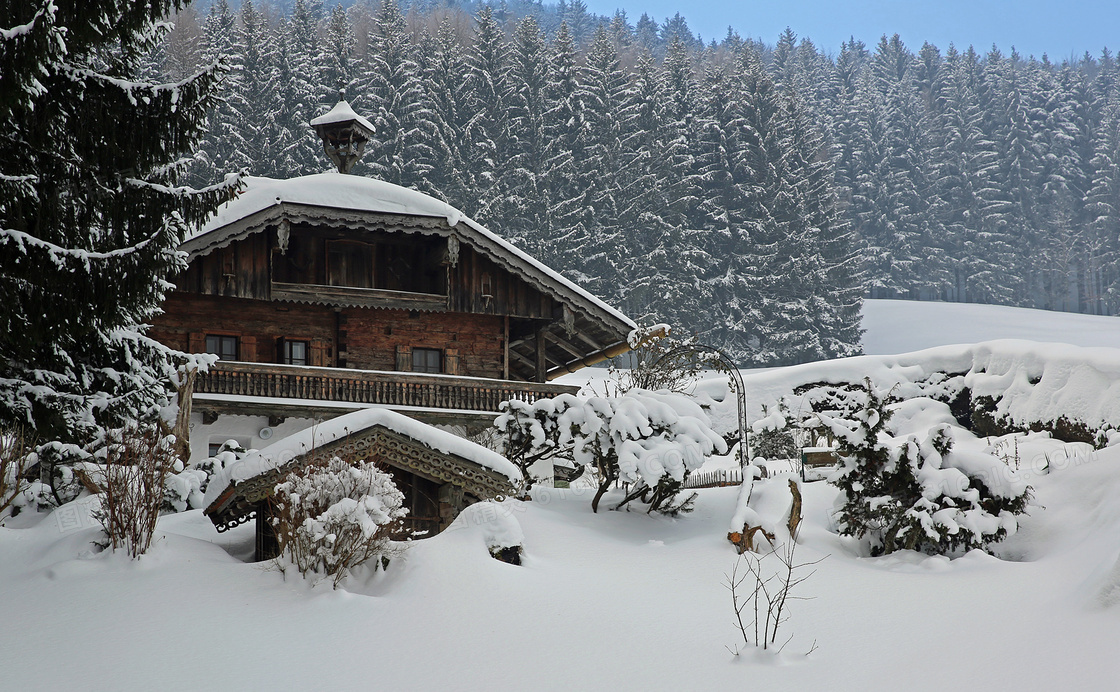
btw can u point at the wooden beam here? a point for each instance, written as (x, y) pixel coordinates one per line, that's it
(564, 344)
(505, 350)
(542, 358)
(590, 342)
(523, 361)
(605, 354)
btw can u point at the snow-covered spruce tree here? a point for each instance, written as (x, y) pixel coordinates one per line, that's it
(916, 494)
(89, 213)
(392, 86)
(489, 152)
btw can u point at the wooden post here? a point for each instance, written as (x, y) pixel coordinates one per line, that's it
(505, 350)
(542, 362)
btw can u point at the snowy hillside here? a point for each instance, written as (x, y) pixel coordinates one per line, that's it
(900, 326)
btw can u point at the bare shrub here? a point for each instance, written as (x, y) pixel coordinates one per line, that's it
(132, 485)
(15, 458)
(332, 515)
(759, 613)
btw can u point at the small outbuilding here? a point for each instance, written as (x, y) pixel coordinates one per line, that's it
(439, 473)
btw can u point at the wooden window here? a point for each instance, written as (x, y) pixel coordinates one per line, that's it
(349, 264)
(426, 360)
(213, 448)
(295, 352)
(225, 347)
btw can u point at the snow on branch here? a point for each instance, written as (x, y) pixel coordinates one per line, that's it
(58, 253)
(47, 10)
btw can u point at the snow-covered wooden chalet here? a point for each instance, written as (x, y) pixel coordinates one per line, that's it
(330, 293)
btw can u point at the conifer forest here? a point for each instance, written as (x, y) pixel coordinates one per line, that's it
(752, 193)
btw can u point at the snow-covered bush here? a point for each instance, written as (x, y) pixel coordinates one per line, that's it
(185, 486)
(132, 484)
(771, 437)
(332, 515)
(648, 440)
(915, 493)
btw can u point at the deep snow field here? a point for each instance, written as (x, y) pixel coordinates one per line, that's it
(617, 600)
(900, 326)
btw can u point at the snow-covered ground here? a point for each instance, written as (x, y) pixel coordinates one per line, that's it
(610, 601)
(901, 326)
(615, 600)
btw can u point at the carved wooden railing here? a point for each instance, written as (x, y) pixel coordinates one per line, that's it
(368, 386)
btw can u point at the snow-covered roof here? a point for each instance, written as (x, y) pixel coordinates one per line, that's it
(340, 114)
(264, 200)
(282, 451)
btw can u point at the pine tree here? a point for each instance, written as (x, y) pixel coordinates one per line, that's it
(259, 127)
(401, 153)
(338, 64)
(900, 176)
(524, 219)
(646, 34)
(90, 214)
(965, 161)
(488, 156)
(565, 130)
(223, 148)
(445, 72)
(600, 241)
(1103, 210)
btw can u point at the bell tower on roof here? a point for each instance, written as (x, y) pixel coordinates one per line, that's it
(344, 134)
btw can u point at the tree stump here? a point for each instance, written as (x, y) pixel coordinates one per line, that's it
(795, 510)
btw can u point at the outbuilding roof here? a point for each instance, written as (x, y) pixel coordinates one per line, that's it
(234, 492)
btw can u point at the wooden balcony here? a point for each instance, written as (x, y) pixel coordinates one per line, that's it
(232, 387)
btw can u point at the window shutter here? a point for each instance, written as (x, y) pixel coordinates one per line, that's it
(279, 349)
(451, 361)
(404, 358)
(320, 351)
(196, 343)
(248, 348)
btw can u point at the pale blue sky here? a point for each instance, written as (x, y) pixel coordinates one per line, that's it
(1056, 27)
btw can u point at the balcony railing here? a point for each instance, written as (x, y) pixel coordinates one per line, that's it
(361, 387)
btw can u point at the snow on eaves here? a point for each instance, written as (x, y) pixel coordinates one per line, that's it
(358, 193)
(283, 451)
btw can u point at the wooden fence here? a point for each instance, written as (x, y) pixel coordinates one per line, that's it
(719, 478)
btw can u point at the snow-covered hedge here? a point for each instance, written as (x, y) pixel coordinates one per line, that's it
(649, 440)
(994, 387)
(332, 516)
(914, 492)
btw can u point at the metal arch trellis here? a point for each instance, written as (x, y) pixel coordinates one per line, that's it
(722, 363)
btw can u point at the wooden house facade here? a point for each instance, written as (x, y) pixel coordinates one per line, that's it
(330, 293)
